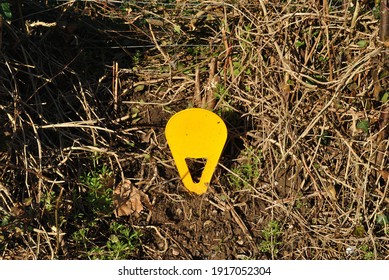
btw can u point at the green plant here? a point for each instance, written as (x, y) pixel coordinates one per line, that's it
(5, 10)
(383, 222)
(120, 245)
(299, 44)
(118, 242)
(220, 91)
(4, 222)
(80, 237)
(301, 203)
(364, 125)
(136, 57)
(270, 242)
(367, 253)
(98, 197)
(384, 97)
(48, 200)
(362, 44)
(99, 238)
(247, 172)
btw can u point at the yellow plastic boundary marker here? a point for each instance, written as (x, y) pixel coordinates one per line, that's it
(196, 133)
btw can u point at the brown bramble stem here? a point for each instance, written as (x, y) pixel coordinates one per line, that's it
(384, 23)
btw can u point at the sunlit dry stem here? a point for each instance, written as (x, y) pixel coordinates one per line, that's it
(1, 31)
(197, 94)
(212, 85)
(115, 82)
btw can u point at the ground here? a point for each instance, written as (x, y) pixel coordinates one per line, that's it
(87, 88)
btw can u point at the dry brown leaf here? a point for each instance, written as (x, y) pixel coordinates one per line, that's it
(129, 200)
(145, 138)
(385, 175)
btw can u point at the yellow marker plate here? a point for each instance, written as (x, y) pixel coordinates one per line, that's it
(192, 134)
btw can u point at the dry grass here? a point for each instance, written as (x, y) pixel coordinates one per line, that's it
(301, 85)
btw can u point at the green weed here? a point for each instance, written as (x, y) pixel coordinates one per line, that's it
(48, 200)
(101, 239)
(98, 197)
(5, 10)
(136, 57)
(248, 170)
(364, 125)
(270, 235)
(367, 253)
(120, 245)
(382, 221)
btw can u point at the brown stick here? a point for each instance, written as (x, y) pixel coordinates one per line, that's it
(115, 82)
(212, 85)
(382, 136)
(384, 23)
(197, 94)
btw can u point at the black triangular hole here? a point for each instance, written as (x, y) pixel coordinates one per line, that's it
(196, 167)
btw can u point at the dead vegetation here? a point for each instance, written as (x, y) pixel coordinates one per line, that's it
(87, 87)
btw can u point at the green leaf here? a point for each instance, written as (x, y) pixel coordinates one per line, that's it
(385, 97)
(299, 44)
(139, 88)
(362, 43)
(382, 219)
(114, 238)
(177, 28)
(180, 66)
(364, 125)
(5, 11)
(323, 58)
(376, 11)
(359, 231)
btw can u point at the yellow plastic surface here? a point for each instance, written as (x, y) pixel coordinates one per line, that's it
(196, 133)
